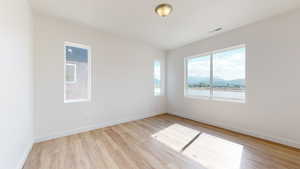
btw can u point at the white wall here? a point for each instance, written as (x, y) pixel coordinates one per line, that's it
(122, 80)
(16, 102)
(273, 67)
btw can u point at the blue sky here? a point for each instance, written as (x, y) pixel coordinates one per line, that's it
(157, 70)
(228, 65)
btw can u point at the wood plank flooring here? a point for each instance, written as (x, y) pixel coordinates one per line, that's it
(161, 142)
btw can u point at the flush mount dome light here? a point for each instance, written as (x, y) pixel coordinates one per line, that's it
(163, 9)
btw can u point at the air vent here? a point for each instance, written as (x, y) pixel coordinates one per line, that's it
(216, 30)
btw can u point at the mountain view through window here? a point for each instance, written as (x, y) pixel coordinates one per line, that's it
(223, 78)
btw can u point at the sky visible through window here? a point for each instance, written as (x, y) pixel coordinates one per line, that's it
(157, 78)
(228, 65)
(199, 67)
(157, 70)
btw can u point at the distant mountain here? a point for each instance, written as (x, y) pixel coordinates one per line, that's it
(196, 80)
(218, 82)
(240, 82)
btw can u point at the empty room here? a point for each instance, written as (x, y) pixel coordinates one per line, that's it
(150, 84)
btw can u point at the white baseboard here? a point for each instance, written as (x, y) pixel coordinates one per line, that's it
(283, 141)
(93, 127)
(24, 156)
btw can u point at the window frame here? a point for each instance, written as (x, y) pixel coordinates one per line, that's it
(211, 54)
(88, 48)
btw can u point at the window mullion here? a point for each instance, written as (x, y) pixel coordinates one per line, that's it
(211, 75)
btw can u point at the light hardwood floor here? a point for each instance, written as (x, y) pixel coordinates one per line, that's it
(161, 142)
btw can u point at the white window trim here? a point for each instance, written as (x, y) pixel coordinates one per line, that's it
(211, 97)
(88, 48)
(75, 73)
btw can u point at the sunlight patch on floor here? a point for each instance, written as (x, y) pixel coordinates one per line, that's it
(215, 153)
(176, 136)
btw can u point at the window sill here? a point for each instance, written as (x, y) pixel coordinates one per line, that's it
(215, 99)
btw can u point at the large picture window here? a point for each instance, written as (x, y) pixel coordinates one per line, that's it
(77, 72)
(217, 75)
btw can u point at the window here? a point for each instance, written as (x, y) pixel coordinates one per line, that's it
(217, 75)
(77, 73)
(157, 78)
(71, 73)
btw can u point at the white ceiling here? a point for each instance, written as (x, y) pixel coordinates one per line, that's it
(191, 20)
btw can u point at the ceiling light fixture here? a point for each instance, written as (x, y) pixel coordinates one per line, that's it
(163, 9)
